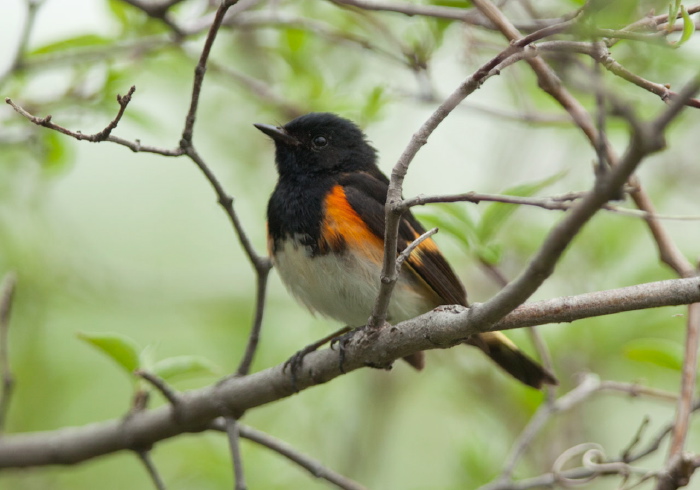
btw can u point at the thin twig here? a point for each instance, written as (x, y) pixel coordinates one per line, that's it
(313, 466)
(586, 388)
(200, 70)
(32, 7)
(607, 467)
(602, 55)
(7, 292)
(234, 442)
(102, 135)
(656, 442)
(262, 265)
(394, 207)
(145, 457)
(589, 386)
(561, 202)
(254, 337)
(550, 83)
(636, 439)
(468, 16)
(159, 11)
(411, 247)
(159, 383)
(689, 374)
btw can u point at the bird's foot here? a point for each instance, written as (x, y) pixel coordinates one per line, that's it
(295, 362)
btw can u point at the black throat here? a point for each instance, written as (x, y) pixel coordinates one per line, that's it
(295, 210)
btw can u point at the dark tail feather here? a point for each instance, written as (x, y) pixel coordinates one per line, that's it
(514, 361)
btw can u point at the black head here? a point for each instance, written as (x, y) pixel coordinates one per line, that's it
(320, 143)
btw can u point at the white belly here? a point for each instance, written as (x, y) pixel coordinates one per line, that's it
(343, 287)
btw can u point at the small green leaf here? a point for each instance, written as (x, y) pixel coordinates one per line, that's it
(295, 39)
(56, 151)
(83, 41)
(446, 226)
(688, 27)
(119, 348)
(374, 102)
(660, 352)
(673, 8)
(491, 254)
(119, 10)
(497, 213)
(179, 366)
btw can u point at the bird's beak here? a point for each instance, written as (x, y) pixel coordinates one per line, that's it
(278, 134)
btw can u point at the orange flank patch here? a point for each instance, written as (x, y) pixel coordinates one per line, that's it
(343, 227)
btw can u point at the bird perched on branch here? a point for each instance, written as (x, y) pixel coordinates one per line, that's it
(326, 237)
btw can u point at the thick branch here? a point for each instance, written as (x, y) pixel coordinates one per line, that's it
(441, 328)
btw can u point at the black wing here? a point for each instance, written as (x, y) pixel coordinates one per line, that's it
(366, 193)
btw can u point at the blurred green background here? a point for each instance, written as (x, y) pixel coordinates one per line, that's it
(104, 240)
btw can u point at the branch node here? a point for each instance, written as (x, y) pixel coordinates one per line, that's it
(159, 384)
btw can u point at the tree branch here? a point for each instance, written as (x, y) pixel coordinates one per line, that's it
(145, 457)
(690, 367)
(103, 135)
(7, 293)
(441, 328)
(234, 442)
(550, 83)
(311, 465)
(32, 8)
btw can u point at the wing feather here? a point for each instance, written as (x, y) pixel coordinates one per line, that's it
(366, 193)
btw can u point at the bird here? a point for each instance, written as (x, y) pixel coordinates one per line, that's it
(325, 227)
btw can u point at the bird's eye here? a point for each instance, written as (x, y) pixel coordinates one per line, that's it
(319, 141)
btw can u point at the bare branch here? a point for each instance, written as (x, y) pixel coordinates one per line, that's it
(32, 7)
(103, 135)
(316, 468)
(254, 337)
(159, 11)
(562, 202)
(232, 431)
(262, 265)
(394, 200)
(412, 246)
(587, 387)
(200, 70)
(468, 16)
(160, 384)
(690, 368)
(145, 457)
(441, 328)
(550, 83)
(7, 292)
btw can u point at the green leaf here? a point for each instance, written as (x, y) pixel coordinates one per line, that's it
(83, 41)
(121, 349)
(688, 27)
(491, 253)
(295, 39)
(374, 102)
(660, 352)
(446, 226)
(119, 10)
(672, 14)
(179, 366)
(56, 152)
(497, 213)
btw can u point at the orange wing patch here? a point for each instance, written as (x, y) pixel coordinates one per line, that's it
(343, 227)
(425, 247)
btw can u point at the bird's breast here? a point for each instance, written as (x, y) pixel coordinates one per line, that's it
(344, 284)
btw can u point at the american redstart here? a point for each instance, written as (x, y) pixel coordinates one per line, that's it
(325, 223)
